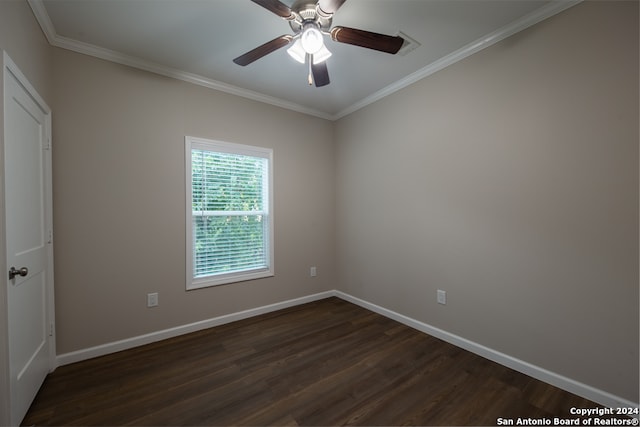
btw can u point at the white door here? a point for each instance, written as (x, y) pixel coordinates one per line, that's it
(27, 157)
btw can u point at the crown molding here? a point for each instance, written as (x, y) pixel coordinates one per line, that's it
(552, 8)
(117, 57)
(547, 11)
(40, 12)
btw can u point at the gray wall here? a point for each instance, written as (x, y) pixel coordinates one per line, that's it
(22, 38)
(119, 200)
(509, 180)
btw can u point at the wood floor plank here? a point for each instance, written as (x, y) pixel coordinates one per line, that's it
(324, 363)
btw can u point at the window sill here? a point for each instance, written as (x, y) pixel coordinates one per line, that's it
(226, 279)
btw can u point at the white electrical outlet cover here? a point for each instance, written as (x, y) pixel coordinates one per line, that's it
(152, 300)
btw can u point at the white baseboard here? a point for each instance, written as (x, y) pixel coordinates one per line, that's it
(599, 396)
(112, 347)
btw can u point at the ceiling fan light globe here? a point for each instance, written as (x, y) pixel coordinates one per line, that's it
(297, 52)
(322, 55)
(311, 40)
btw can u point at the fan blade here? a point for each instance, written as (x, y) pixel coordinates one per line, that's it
(263, 50)
(329, 7)
(320, 74)
(280, 9)
(375, 41)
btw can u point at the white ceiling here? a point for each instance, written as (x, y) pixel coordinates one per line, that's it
(196, 40)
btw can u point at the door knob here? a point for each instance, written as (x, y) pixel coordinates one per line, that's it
(22, 272)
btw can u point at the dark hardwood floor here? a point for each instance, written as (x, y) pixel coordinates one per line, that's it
(324, 363)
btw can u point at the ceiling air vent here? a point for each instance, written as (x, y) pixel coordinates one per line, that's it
(408, 45)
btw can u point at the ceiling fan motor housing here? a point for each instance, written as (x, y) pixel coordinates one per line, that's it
(306, 12)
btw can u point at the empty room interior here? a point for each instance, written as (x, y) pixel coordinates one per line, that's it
(485, 199)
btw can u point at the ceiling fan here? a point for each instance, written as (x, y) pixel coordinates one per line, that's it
(310, 21)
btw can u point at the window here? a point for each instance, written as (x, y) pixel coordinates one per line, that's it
(229, 205)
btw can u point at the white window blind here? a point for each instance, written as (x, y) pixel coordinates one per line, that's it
(229, 221)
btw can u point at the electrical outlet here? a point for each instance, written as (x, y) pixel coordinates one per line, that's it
(313, 272)
(152, 299)
(442, 297)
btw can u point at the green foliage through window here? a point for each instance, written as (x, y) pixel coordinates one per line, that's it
(230, 208)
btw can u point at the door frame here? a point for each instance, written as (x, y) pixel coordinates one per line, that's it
(8, 66)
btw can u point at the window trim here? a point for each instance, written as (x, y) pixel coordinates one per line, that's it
(191, 143)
